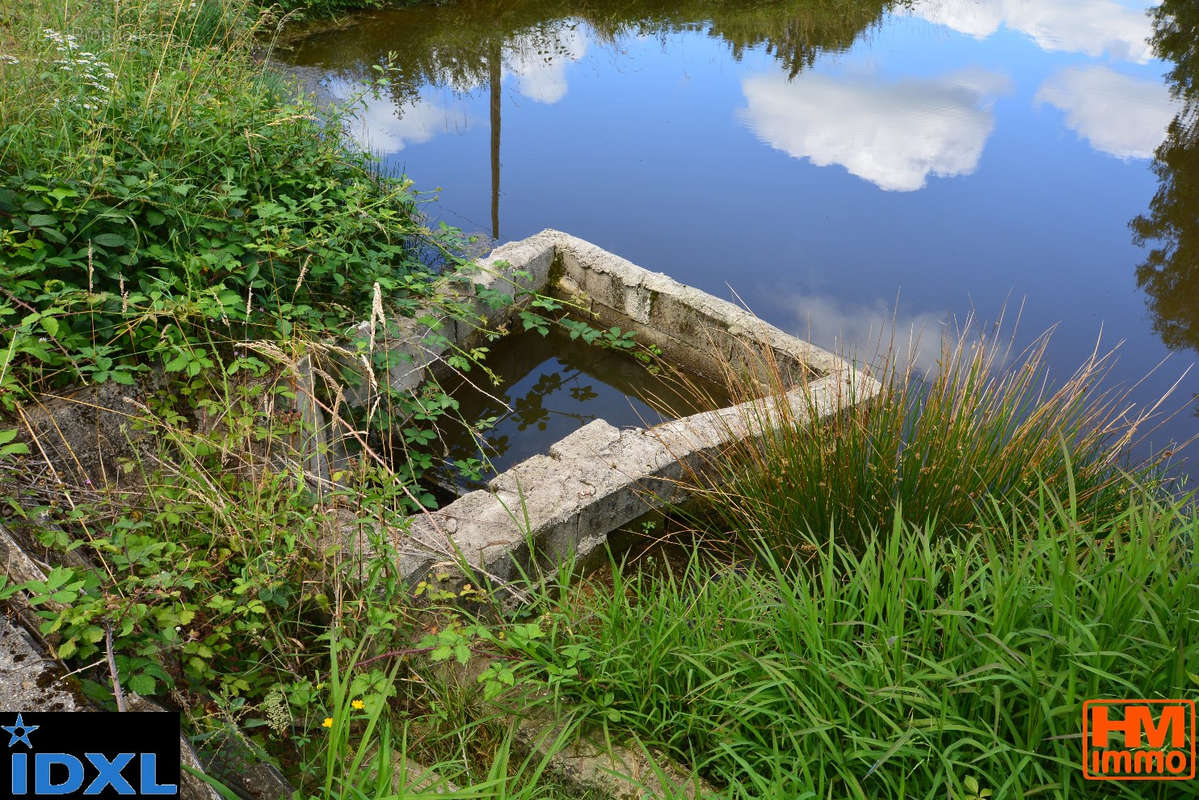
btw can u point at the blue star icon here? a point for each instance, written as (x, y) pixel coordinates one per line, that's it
(23, 736)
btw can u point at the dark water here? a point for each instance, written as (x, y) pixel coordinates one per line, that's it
(834, 162)
(552, 385)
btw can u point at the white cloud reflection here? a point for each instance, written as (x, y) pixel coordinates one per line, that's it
(378, 127)
(869, 333)
(540, 68)
(1118, 114)
(893, 134)
(1092, 27)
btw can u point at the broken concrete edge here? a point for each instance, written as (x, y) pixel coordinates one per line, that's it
(590, 278)
(653, 301)
(590, 762)
(564, 504)
(486, 294)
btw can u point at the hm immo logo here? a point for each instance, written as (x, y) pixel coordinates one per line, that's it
(64, 754)
(1138, 740)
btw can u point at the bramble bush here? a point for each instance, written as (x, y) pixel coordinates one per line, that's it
(161, 192)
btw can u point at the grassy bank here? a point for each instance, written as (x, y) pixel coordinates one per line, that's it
(164, 195)
(911, 599)
(175, 223)
(914, 666)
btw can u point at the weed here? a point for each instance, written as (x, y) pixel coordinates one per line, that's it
(163, 195)
(913, 666)
(985, 424)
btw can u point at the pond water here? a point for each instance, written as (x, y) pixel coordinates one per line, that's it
(833, 164)
(550, 385)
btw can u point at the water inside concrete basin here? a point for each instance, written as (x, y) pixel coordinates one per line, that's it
(549, 387)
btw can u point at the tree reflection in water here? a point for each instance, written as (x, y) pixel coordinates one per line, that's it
(1170, 228)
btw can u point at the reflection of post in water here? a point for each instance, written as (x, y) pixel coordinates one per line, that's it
(495, 78)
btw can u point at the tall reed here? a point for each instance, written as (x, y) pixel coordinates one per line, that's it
(987, 423)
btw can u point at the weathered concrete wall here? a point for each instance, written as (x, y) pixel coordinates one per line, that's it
(694, 329)
(600, 478)
(484, 300)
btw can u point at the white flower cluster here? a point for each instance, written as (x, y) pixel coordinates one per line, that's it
(95, 74)
(7, 59)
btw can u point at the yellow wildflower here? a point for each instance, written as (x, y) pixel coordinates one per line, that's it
(328, 723)
(358, 705)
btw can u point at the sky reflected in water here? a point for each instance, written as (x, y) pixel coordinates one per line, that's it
(908, 163)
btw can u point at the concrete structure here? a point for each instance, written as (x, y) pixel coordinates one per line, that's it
(593, 763)
(599, 477)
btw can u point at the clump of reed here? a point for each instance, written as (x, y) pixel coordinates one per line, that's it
(987, 424)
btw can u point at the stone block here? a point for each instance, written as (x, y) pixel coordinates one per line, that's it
(593, 764)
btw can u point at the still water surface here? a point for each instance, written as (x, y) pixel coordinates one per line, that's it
(551, 386)
(834, 163)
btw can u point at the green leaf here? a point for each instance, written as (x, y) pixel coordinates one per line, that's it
(50, 324)
(143, 684)
(179, 362)
(41, 221)
(109, 240)
(54, 235)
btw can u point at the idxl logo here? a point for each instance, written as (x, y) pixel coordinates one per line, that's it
(62, 754)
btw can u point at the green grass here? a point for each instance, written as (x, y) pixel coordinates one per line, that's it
(986, 423)
(915, 667)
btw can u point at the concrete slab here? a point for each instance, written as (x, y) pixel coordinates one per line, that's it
(599, 478)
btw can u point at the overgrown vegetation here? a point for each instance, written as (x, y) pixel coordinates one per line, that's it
(915, 666)
(163, 196)
(986, 425)
(938, 578)
(173, 217)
